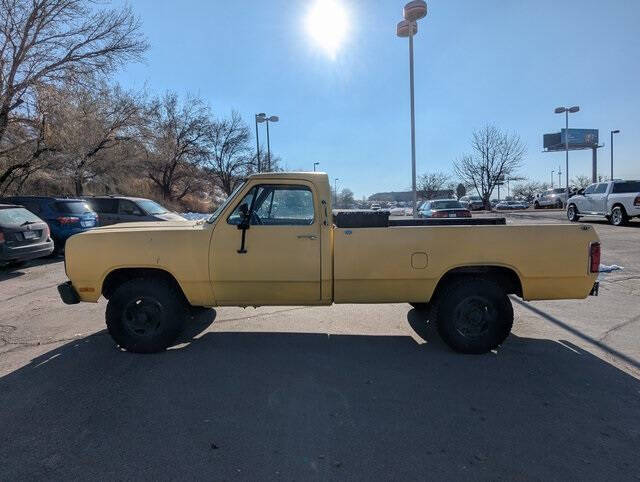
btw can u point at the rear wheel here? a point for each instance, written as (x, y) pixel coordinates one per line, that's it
(536, 205)
(618, 216)
(572, 213)
(559, 204)
(420, 306)
(145, 315)
(473, 315)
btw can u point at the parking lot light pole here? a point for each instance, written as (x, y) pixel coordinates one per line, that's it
(612, 133)
(552, 173)
(413, 11)
(335, 191)
(314, 166)
(566, 111)
(259, 118)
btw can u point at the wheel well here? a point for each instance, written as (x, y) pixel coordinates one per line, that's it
(505, 277)
(118, 276)
(620, 205)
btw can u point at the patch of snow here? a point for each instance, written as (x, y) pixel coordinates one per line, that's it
(195, 216)
(608, 269)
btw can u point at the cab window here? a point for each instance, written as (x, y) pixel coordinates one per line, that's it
(601, 188)
(277, 205)
(129, 208)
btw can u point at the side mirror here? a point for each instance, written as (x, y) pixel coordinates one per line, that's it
(245, 220)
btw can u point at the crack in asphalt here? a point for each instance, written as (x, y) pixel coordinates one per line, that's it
(618, 326)
(24, 293)
(262, 314)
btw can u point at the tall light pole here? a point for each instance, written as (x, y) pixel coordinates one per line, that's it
(566, 111)
(335, 190)
(314, 166)
(260, 118)
(552, 173)
(612, 133)
(413, 11)
(559, 176)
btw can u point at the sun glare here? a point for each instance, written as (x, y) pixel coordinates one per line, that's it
(326, 24)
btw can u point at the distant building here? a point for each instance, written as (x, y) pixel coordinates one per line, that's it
(407, 196)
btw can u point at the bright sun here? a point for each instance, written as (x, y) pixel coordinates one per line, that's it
(326, 23)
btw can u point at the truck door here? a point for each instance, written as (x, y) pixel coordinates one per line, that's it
(279, 263)
(598, 200)
(585, 204)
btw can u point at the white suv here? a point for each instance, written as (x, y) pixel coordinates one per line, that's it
(551, 198)
(616, 200)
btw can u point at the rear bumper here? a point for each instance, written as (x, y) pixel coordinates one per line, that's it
(25, 253)
(68, 294)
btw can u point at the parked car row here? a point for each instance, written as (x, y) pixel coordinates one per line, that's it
(617, 201)
(443, 208)
(36, 226)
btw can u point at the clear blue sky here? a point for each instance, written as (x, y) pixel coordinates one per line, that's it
(495, 61)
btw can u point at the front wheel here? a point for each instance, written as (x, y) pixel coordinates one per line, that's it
(145, 315)
(572, 213)
(473, 315)
(559, 204)
(618, 216)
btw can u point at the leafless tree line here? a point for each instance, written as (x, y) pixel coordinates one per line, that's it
(64, 126)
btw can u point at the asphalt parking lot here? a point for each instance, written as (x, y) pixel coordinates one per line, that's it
(361, 392)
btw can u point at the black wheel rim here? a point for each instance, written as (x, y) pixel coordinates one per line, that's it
(143, 316)
(473, 316)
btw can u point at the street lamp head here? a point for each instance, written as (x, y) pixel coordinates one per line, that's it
(615, 132)
(404, 28)
(415, 10)
(260, 118)
(560, 110)
(273, 118)
(574, 109)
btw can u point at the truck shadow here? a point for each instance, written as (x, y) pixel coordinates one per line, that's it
(297, 406)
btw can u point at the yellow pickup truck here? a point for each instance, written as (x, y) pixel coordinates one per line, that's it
(276, 241)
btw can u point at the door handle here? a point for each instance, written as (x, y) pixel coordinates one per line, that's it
(307, 236)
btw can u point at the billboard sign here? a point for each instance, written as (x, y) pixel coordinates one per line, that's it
(578, 139)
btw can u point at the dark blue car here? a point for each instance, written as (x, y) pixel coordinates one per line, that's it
(64, 216)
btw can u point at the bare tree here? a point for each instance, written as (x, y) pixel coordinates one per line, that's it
(580, 182)
(92, 127)
(431, 183)
(229, 157)
(345, 199)
(43, 42)
(528, 190)
(495, 155)
(178, 138)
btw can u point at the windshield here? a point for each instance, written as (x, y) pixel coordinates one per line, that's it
(445, 205)
(17, 216)
(72, 207)
(151, 207)
(222, 206)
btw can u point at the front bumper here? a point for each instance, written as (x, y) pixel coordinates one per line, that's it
(68, 294)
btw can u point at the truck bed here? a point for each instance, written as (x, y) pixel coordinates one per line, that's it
(405, 262)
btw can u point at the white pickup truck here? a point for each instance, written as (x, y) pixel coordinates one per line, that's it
(616, 200)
